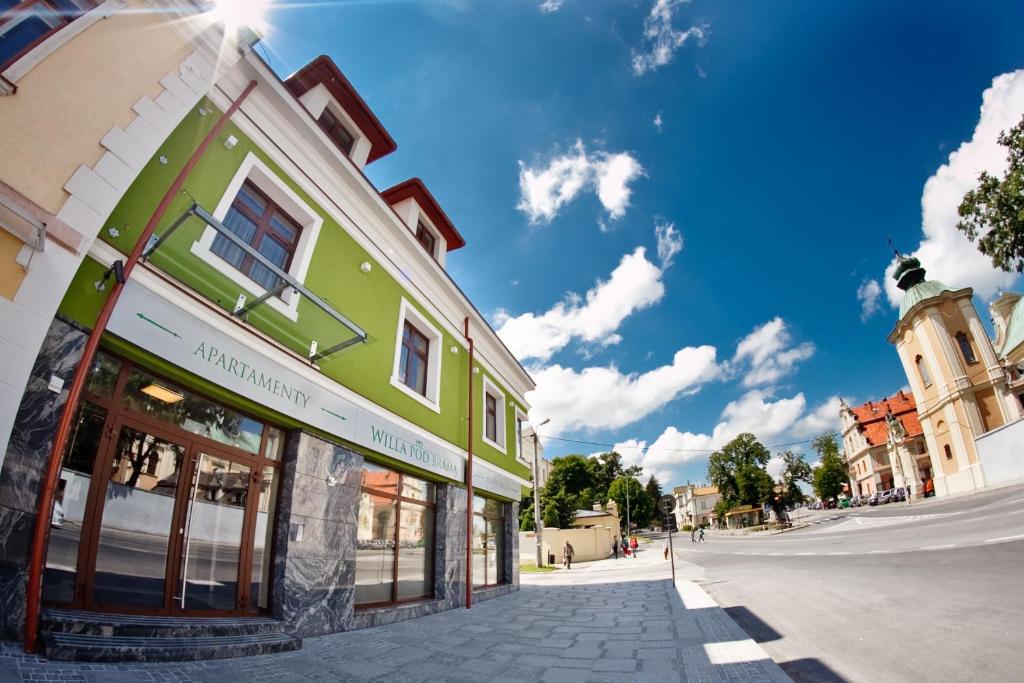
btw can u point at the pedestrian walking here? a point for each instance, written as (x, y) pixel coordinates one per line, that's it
(664, 549)
(701, 534)
(615, 547)
(567, 553)
(693, 534)
(625, 547)
(632, 545)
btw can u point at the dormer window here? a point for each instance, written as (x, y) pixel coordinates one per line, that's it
(337, 131)
(426, 239)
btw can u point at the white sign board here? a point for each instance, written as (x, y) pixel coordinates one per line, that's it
(158, 326)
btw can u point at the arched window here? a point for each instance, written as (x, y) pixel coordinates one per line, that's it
(922, 367)
(949, 452)
(964, 342)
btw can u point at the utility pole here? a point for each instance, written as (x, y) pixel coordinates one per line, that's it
(537, 523)
(629, 528)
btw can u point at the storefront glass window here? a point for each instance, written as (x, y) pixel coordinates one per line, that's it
(103, 375)
(488, 541)
(164, 401)
(263, 540)
(69, 503)
(395, 538)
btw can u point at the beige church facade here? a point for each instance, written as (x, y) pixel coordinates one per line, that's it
(964, 389)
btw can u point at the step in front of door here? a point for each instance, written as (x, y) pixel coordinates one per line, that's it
(101, 648)
(135, 625)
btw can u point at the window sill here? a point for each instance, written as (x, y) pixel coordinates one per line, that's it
(398, 384)
(31, 59)
(495, 446)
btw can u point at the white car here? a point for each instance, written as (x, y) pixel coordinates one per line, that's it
(58, 515)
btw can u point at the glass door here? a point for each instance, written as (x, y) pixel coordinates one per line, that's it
(213, 531)
(136, 521)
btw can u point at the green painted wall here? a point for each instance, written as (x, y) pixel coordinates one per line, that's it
(371, 299)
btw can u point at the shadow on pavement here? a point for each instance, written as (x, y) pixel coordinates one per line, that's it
(752, 624)
(811, 671)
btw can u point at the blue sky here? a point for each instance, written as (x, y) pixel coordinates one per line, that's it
(773, 146)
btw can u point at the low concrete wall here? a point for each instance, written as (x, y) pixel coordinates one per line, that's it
(1001, 453)
(592, 543)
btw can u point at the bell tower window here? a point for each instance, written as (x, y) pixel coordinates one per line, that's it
(922, 368)
(964, 342)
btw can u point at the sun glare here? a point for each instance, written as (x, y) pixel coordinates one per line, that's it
(237, 14)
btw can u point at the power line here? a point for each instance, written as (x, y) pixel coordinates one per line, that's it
(671, 450)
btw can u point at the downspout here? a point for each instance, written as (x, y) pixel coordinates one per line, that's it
(49, 484)
(469, 476)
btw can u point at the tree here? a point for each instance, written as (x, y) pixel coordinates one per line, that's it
(640, 505)
(558, 510)
(831, 474)
(993, 213)
(794, 470)
(653, 488)
(738, 470)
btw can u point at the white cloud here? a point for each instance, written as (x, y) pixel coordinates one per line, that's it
(758, 412)
(634, 284)
(769, 354)
(549, 6)
(775, 466)
(868, 294)
(658, 122)
(545, 189)
(606, 398)
(945, 252)
(670, 243)
(661, 38)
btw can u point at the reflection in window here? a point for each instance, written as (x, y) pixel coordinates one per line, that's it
(488, 541)
(264, 539)
(169, 403)
(395, 538)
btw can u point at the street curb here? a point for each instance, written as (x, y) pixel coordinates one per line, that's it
(741, 649)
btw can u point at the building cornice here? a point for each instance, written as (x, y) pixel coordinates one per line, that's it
(904, 322)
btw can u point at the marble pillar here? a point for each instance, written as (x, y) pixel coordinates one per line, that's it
(25, 462)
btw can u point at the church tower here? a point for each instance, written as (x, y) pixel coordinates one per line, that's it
(957, 380)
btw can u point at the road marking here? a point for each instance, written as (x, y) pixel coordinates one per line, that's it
(1015, 512)
(1015, 500)
(1004, 538)
(805, 553)
(880, 552)
(938, 547)
(841, 553)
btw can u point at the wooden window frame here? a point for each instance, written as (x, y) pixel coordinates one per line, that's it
(491, 417)
(404, 372)
(427, 239)
(264, 227)
(334, 125)
(399, 500)
(63, 17)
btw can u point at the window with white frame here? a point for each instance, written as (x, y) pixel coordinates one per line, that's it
(417, 364)
(264, 211)
(494, 415)
(521, 419)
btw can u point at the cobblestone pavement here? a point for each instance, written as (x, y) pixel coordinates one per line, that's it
(606, 621)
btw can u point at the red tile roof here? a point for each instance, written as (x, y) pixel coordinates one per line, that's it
(871, 417)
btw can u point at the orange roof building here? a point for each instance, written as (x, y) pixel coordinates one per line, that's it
(885, 445)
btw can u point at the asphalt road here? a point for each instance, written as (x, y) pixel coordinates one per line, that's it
(932, 591)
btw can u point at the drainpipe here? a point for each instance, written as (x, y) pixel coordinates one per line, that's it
(469, 477)
(44, 509)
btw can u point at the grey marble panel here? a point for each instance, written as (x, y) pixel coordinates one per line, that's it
(36, 420)
(389, 615)
(317, 596)
(12, 600)
(511, 559)
(320, 538)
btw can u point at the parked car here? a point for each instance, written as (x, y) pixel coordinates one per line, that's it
(857, 501)
(844, 503)
(901, 494)
(873, 500)
(887, 496)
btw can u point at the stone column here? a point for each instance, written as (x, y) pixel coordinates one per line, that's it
(314, 562)
(451, 522)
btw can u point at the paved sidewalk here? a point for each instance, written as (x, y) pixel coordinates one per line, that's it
(608, 621)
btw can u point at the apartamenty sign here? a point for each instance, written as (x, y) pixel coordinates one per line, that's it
(155, 324)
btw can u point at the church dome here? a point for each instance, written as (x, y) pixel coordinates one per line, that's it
(921, 291)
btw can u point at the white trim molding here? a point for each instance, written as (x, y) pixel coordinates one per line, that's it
(435, 342)
(500, 415)
(256, 172)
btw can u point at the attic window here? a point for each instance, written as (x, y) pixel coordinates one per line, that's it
(426, 239)
(337, 131)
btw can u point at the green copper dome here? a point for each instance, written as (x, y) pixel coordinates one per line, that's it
(920, 292)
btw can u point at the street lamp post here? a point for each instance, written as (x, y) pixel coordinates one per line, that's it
(537, 523)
